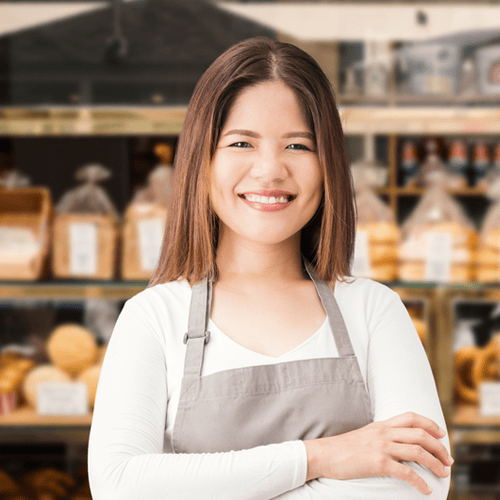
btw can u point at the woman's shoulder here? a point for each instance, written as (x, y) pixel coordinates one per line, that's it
(168, 297)
(357, 290)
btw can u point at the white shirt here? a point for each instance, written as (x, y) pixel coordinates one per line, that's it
(129, 447)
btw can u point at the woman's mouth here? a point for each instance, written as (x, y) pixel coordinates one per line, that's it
(269, 202)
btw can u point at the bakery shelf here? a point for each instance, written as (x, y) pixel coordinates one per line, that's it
(27, 417)
(77, 290)
(357, 119)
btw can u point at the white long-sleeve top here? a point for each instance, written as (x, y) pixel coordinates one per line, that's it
(129, 453)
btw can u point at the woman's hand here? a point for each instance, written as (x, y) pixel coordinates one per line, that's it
(378, 449)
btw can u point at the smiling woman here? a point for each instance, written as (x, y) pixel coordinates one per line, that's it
(254, 366)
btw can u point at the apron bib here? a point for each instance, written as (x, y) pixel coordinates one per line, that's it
(247, 407)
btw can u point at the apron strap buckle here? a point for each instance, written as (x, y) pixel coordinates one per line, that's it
(192, 335)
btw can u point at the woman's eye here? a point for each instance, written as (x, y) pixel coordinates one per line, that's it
(240, 144)
(299, 146)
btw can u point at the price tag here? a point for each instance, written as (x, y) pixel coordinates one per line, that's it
(150, 238)
(438, 256)
(83, 248)
(489, 399)
(62, 398)
(362, 264)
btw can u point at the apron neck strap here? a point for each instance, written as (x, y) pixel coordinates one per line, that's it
(335, 319)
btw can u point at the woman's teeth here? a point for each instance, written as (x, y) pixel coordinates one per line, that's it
(266, 199)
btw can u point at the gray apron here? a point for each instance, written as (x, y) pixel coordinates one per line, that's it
(247, 407)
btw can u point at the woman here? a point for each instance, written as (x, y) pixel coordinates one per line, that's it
(254, 367)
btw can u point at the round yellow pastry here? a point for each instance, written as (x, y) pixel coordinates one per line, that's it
(486, 366)
(72, 348)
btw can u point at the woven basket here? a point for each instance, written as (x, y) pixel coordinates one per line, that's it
(25, 215)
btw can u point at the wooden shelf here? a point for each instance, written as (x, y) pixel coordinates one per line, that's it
(71, 290)
(27, 417)
(357, 119)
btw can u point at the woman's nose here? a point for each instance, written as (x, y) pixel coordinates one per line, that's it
(269, 167)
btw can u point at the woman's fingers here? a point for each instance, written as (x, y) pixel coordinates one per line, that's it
(411, 419)
(407, 474)
(415, 453)
(423, 439)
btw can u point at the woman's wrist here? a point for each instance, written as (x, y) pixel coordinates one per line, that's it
(314, 462)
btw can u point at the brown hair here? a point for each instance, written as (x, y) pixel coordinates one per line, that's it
(191, 233)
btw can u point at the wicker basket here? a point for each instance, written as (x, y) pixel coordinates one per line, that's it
(25, 215)
(85, 246)
(142, 236)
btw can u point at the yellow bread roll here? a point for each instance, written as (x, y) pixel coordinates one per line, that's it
(39, 375)
(72, 348)
(90, 376)
(381, 232)
(13, 369)
(465, 387)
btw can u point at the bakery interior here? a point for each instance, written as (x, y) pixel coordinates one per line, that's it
(92, 100)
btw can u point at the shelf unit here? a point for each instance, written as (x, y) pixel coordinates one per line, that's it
(367, 117)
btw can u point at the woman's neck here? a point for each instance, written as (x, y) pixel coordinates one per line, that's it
(258, 264)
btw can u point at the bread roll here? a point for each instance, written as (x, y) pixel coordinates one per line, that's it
(72, 348)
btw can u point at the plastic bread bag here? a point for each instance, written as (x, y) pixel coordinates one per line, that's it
(89, 198)
(145, 219)
(439, 239)
(86, 229)
(377, 234)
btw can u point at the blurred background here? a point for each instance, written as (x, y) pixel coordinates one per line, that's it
(92, 99)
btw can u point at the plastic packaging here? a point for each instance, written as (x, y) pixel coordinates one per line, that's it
(439, 240)
(86, 229)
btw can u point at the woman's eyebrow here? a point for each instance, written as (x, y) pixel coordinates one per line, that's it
(288, 135)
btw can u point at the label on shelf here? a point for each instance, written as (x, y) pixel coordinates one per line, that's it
(150, 233)
(489, 399)
(62, 398)
(362, 264)
(438, 256)
(83, 248)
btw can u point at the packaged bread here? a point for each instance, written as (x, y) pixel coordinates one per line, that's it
(377, 234)
(439, 240)
(488, 253)
(72, 348)
(85, 230)
(25, 218)
(145, 217)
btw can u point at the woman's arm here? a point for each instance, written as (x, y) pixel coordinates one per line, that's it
(399, 381)
(126, 459)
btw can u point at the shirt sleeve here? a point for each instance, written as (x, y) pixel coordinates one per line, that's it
(125, 454)
(399, 379)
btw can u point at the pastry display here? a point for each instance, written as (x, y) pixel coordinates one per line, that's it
(38, 375)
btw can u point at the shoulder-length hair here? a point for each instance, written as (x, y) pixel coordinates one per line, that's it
(192, 228)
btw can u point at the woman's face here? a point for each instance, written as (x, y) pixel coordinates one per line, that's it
(266, 181)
